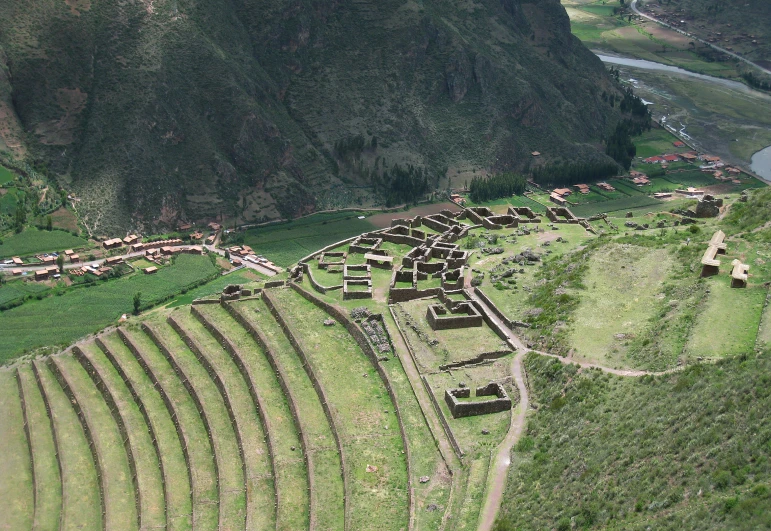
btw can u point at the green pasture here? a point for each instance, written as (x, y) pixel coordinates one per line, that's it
(6, 176)
(32, 241)
(58, 320)
(285, 243)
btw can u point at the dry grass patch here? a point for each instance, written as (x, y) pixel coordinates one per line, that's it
(624, 286)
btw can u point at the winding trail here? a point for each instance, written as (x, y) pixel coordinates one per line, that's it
(498, 469)
(500, 466)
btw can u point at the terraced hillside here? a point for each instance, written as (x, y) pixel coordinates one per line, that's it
(209, 416)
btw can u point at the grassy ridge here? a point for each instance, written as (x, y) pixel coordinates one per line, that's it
(685, 451)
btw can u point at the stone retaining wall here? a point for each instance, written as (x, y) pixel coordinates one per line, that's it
(25, 423)
(153, 335)
(170, 408)
(259, 405)
(318, 287)
(442, 419)
(319, 391)
(47, 406)
(361, 338)
(145, 415)
(195, 348)
(262, 342)
(109, 399)
(98, 465)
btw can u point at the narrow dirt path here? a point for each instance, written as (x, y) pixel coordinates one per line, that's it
(499, 468)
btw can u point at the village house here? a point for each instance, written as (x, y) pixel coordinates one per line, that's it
(641, 181)
(17, 261)
(131, 239)
(16, 272)
(69, 252)
(662, 195)
(583, 188)
(606, 187)
(653, 160)
(678, 143)
(562, 192)
(555, 198)
(671, 158)
(690, 157)
(74, 258)
(150, 270)
(113, 243)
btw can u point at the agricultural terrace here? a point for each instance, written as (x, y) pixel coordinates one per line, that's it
(323, 401)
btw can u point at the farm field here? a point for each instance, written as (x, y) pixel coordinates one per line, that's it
(32, 241)
(285, 243)
(87, 310)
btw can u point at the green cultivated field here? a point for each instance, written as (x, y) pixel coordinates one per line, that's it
(61, 319)
(6, 175)
(285, 243)
(216, 286)
(33, 241)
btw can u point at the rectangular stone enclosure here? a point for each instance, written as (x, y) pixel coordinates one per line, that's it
(460, 409)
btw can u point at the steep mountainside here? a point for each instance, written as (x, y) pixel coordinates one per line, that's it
(161, 110)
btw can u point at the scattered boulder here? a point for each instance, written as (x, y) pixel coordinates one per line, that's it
(629, 214)
(424, 479)
(329, 322)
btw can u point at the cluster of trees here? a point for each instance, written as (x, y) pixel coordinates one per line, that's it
(401, 184)
(350, 148)
(634, 105)
(756, 82)
(619, 145)
(497, 186)
(571, 173)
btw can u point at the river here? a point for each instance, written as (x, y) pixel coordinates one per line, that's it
(761, 160)
(650, 65)
(761, 163)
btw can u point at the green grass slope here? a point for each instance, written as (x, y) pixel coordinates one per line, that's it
(685, 451)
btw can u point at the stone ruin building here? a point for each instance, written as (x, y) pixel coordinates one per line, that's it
(460, 409)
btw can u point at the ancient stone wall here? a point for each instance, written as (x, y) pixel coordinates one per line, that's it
(318, 287)
(369, 352)
(170, 407)
(263, 343)
(145, 415)
(109, 399)
(459, 409)
(464, 315)
(235, 355)
(316, 385)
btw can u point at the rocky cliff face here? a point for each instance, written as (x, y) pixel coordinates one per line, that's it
(159, 110)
